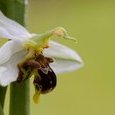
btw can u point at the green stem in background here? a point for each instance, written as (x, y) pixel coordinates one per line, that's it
(2, 95)
(1, 110)
(2, 89)
(2, 99)
(19, 99)
(19, 93)
(16, 10)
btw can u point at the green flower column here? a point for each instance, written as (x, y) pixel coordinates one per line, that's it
(19, 93)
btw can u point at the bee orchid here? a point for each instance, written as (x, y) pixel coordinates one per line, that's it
(27, 54)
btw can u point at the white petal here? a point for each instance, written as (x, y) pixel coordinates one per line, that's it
(5, 34)
(13, 28)
(8, 49)
(66, 59)
(9, 70)
(63, 66)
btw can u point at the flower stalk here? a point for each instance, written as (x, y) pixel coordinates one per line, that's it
(1, 110)
(2, 89)
(2, 99)
(2, 95)
(19, 94)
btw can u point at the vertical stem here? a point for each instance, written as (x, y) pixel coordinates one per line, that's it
(1, 110)
(19, 93)
(16, 10)
(2, 89)
(2, 99)
(2, 95)
(19, 99)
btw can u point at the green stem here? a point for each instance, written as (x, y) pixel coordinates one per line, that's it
(2, 89)
(16, 10)
(2, 99)
(2, 95)
(1, 110)
(19, 99)
(19, 93)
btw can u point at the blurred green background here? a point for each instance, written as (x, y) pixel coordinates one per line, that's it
(90, 90)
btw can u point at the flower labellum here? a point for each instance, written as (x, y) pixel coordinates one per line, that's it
(26, 54)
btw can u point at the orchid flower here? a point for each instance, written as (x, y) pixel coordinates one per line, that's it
(26, 54)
